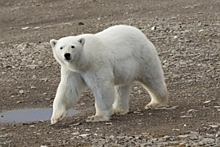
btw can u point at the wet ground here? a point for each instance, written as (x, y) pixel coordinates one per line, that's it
(29, 115)
(186, 34)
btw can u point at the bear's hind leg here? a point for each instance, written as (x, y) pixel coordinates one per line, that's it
(158, 92)
(121, 103)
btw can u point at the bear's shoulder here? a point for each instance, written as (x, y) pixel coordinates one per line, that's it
(118, 29)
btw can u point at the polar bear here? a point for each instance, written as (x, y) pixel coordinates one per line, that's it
(108, 63)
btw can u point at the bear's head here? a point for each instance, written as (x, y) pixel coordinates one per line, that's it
(67, 49)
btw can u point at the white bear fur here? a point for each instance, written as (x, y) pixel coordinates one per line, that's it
(108, 63)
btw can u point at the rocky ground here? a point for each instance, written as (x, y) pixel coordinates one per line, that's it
(186, 34)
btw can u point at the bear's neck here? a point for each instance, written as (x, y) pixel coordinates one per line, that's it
(81, 64)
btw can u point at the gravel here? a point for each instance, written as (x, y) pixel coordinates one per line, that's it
(187, 37)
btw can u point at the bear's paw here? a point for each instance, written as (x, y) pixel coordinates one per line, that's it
(153, 105)
(57, 118)
(97, 118)
(120, 111)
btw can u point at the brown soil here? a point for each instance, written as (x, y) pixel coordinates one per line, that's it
(186, 34)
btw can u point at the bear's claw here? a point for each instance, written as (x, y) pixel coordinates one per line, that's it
(57, 118)
(52, 121)
(155, 105)
(120, 112)
(96, 118)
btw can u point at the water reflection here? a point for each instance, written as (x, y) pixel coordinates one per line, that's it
(28, 115)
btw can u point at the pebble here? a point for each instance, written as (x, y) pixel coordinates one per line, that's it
(33, 87)
(47, 99)
(21, 91)
(4, 136)
(44, 79)
(191, 110)
(214, 126)
(36, 27)
(32, 66)
(75, 133)
(206, 102)
(25, 28)
(153, 28)
(108, 123)
(84, 135)
(80, 23)
(175, 37)
(186, 116)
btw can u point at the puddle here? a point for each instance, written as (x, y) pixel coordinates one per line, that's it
(29, 115)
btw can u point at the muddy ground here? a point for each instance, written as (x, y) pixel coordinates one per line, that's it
(186, 34)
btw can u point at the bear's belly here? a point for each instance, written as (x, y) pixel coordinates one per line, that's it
(125, 74)
(120, 81)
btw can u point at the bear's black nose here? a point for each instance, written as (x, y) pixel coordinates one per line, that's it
(67, 56)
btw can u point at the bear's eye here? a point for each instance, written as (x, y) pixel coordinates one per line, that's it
(72, 46)
(61, 48)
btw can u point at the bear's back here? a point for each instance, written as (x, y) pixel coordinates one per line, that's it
(120, 33)
(126, 41)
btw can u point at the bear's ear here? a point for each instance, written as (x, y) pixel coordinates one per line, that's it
(82, 41)
(53, 42)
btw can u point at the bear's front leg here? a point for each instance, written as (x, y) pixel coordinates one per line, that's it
(121, 103)
(68, 93)
(59, 106)
(101, 114)
(104, 93)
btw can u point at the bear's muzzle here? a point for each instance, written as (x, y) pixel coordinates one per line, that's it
(67, 56)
